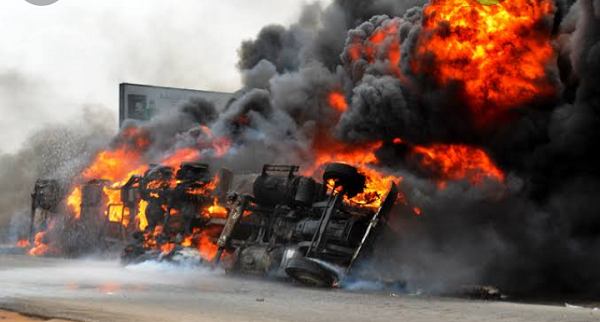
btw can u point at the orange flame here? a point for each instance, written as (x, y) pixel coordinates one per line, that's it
(187, 242)
(217, 211)
(328, 150)
(115, 166)
(417, 210)
(221, 144)
(180, 156)
(500, 53)
(382, 45)
(206, 188)
(74, 201)
(201, 239)
(141, 217)
(456, 162)
(337, 100)
(118, 166)
(150, 237)
(23, 243)
(167, 248)
(208, 249)
(361, 156)
(39, 246)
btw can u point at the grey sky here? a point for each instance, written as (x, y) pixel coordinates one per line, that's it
(58, 58)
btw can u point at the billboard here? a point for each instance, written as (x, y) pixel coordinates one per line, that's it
(142, 102)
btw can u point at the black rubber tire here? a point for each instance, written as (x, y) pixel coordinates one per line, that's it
(309, 273)
(347, 176)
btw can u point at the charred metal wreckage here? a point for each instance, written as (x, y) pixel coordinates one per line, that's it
(288, 226)
(45, 200)
(175, 213)
(293, 224)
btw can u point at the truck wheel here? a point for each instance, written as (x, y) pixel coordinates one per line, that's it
(309, 273)
(347, 176)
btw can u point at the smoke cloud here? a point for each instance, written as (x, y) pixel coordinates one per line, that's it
(537, 232)
(57, 151)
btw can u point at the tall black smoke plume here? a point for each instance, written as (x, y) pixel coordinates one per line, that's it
(539, 231)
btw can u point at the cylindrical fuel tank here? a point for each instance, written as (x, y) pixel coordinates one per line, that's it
(306, 190)
(270, 190)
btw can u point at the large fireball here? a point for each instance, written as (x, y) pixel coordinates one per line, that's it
(500, 54)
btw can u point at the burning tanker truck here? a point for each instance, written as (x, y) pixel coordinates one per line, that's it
(306, 229)
(109, 215)
(290, 226)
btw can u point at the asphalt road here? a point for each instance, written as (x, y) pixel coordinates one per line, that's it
(93, 290)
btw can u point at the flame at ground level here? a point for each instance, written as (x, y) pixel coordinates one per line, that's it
(22, 243)
(39, 243)
(201, 239)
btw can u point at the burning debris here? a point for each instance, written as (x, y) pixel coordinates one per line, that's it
(295, 225)
(181, 211)
(289, 226)
(452, 101)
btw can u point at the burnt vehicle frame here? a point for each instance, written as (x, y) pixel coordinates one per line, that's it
(176, 210)
(294, 227)
(45, 199)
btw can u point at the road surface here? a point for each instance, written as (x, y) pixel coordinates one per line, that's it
(96, 290)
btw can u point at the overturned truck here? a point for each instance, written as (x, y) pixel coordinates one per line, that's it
(288, 226)
(285, 225)
(294, 226)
